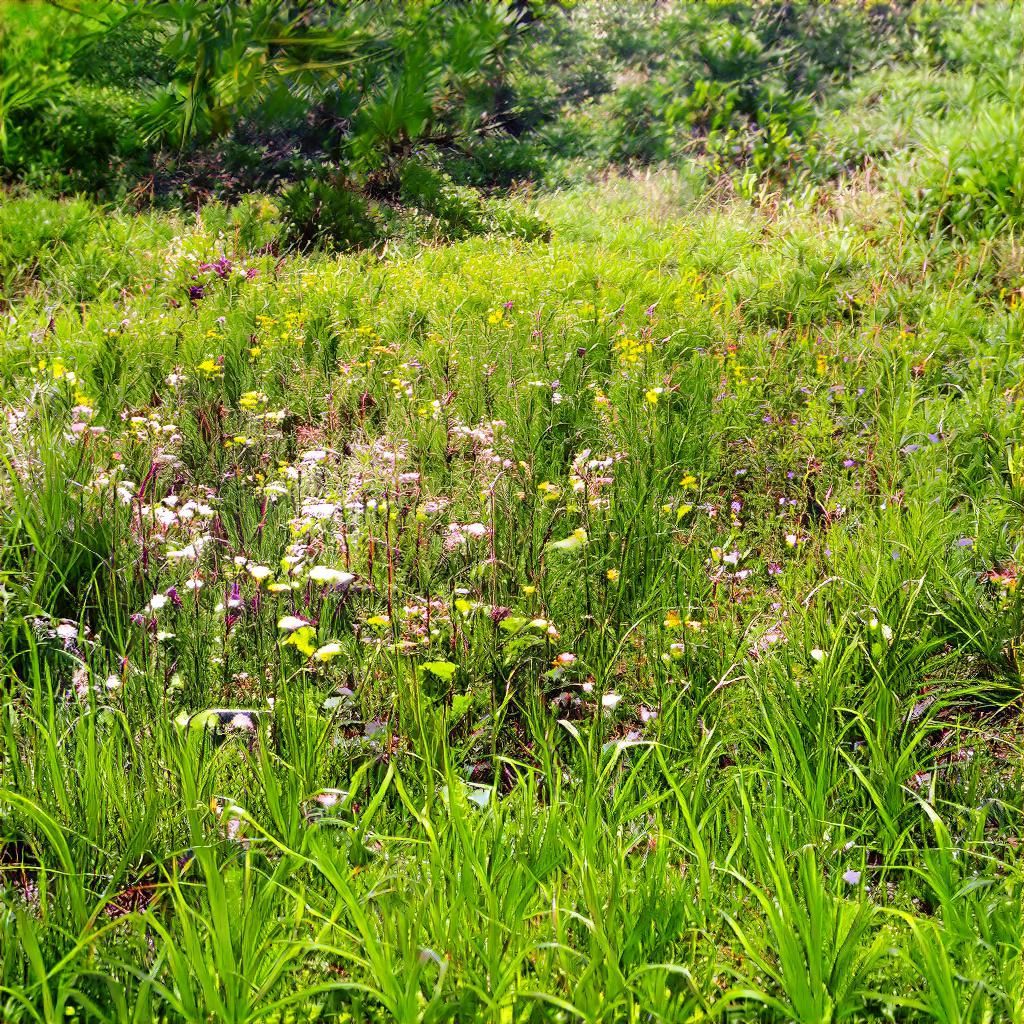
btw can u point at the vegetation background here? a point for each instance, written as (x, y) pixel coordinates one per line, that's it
(511, 511)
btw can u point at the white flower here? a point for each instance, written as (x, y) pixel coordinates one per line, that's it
(156, 602)
(818, 654)
(319, 509)
(325, 574)
(290, 623)
(609, 700)
(327, 652)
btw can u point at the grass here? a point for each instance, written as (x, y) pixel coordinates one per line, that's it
(621, 625)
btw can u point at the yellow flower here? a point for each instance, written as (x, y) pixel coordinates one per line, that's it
(529, 591)
(688, 481)
(672, 620)
(652, 395)
(252, 400)
(613, 575)
(301, 640)
(210, 367)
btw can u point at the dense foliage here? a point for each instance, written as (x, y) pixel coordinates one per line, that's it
(595, 599)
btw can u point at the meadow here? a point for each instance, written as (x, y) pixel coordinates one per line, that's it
(594, 599)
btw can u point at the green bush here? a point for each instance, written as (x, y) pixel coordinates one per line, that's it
(322, 212)
(968, 179)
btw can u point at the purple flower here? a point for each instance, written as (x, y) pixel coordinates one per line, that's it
(851, 877)
(196, 292)
(221, 267)
(965, 542)
(849, 463)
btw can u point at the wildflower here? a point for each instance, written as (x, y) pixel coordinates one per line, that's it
(301, 639)
(258, 572)
(335, 577)
(612, 575)
(290, 623)
(630, 350)
(327, 652)
(610, 700)
(672, 620)
(565, 659)
(652, 395)
(253, 400)
(818, 654)
(688, 481)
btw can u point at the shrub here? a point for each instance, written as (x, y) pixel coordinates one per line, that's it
(968, 179)
(323, 212)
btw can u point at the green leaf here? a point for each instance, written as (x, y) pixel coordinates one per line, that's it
(444, 670)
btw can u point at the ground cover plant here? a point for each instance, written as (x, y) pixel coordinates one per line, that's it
(595, 602)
